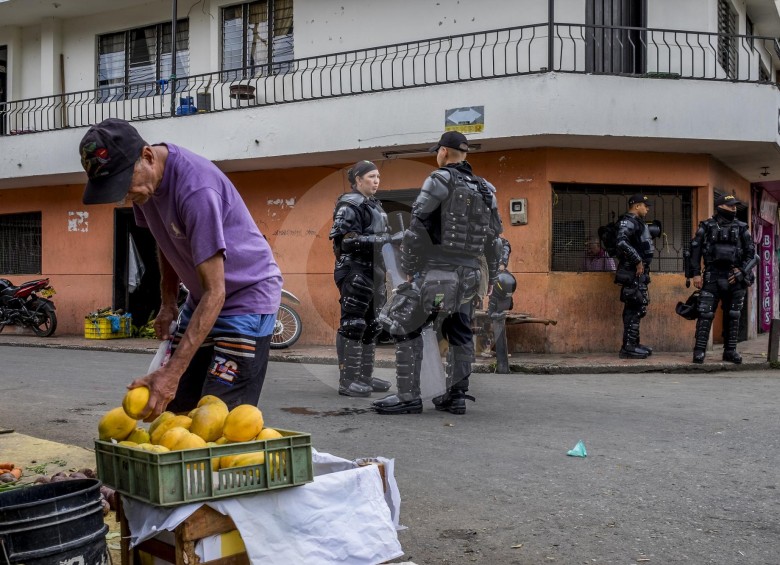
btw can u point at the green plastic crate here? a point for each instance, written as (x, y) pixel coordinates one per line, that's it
(181, 477)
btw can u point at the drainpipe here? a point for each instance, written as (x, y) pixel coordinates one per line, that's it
(172, 81)
(550, 32)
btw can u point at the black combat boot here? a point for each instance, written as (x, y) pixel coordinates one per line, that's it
(730, 346)
(367, 370)
(702, 336)
(349, 352)
(631, 348)
(407, 361)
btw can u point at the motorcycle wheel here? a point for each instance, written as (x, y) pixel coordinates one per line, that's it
(287, 329)
(45, 323)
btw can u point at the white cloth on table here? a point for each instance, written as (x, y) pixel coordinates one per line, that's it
(340, 517)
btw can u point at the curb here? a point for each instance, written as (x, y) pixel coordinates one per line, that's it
(479, 368)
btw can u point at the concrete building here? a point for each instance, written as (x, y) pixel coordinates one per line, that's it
(571, 106)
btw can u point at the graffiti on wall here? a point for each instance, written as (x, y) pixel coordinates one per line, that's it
(78, 221)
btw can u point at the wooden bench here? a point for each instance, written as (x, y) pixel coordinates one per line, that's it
(497, 324)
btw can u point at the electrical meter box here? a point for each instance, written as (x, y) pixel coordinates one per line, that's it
(518, 211)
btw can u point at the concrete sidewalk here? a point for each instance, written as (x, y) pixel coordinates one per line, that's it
(754, 353)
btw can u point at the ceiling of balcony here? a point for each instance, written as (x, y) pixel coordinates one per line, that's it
(28, 12)
(765, 15)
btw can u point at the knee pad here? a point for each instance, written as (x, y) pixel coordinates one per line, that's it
(356, 294)
(372, 330)
(353, 328)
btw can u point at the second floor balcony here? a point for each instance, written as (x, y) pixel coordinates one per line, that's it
(542, 84)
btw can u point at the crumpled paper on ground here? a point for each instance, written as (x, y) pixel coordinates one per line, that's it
(341, 517)
(578, 450)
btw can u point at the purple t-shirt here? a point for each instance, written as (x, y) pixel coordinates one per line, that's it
(195, 213)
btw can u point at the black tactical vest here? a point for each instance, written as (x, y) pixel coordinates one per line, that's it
(465, 215)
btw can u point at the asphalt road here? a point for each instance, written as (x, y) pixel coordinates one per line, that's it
(680, 468)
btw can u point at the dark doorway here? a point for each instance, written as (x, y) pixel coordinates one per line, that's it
(612, 49)
(3, 86)
(144, 301)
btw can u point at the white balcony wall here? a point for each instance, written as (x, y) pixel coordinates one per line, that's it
(541, 110)
(30, 53)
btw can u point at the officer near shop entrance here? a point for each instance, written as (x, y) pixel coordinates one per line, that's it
(635, 251)
(729, 254)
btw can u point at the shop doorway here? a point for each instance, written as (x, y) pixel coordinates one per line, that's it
(144, 300)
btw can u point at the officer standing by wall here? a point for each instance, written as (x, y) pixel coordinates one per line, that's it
(635, 252)
(359, 230)
(729, 256)
(454, 221)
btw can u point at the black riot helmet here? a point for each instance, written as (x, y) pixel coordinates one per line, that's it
(690, 308)
(505, 284)
(655, 228)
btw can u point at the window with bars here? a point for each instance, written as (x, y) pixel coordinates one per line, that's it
(20, 243)
(246, 48)
(579, 210)
(727, 42)
(137, 62)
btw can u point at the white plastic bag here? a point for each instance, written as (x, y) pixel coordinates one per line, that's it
(163, 351)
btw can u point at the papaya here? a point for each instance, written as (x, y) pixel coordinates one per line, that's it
(208, 420)
(211, 399)
(174, 422)
(139, 435)
(115, 424)
(243, 423)
(269, 433)
(159, 420)
(172, 436)
(135, 402)
(188, 441)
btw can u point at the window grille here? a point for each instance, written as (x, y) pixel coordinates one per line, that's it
(246, 48)
(579, 210)
(20, 243)
(137, 62)
(727, 42)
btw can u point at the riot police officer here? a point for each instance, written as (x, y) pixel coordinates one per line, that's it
(729, 256)
(454, 221)
(359, 230)
(635, 252)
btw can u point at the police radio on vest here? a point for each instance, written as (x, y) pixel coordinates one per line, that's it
(518, 211)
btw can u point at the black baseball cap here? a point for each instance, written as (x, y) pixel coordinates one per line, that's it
(109, 151)
(728, 200)
(638, 199)
(453, 140)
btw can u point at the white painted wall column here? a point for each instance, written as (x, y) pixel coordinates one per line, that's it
(51, 47)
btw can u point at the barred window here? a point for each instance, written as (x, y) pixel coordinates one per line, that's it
(245, 38)
(727, 43)
(137, 62)
(580, 209)
(20, 243)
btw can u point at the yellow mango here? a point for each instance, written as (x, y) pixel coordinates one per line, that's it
(115, 424)
(243, 423)
(127, 443)
(135, 403)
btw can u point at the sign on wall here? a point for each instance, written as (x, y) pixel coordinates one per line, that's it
(470, 119)
(766, 289)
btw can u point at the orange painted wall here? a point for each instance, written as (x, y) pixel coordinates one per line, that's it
(293, 208)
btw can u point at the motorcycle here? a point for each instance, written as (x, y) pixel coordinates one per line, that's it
(288, 326)
(28, 305)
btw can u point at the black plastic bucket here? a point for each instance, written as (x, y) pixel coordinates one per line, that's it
(53, 523)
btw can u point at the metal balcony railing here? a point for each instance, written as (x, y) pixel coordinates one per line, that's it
(538, 48)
